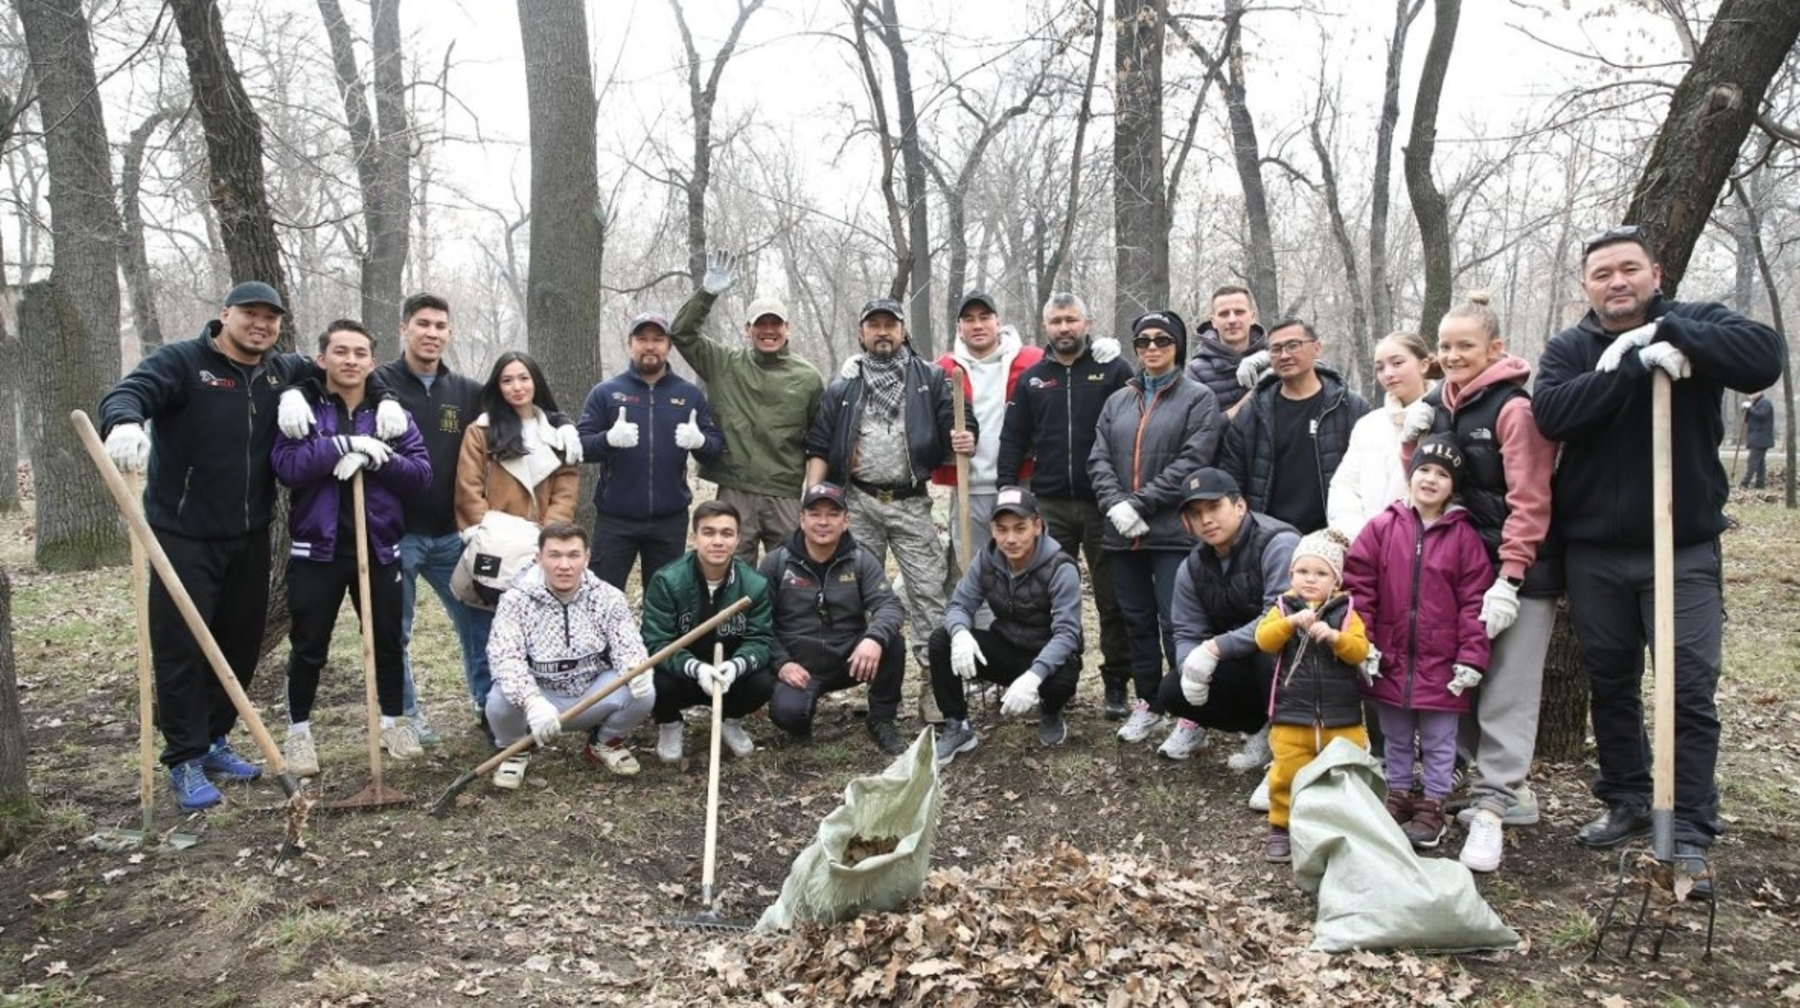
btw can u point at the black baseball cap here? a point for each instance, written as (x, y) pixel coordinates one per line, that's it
(879, 305)
(830, 493)
(255, 292)
(1015, 500)
(979, 297)
(1210, 484)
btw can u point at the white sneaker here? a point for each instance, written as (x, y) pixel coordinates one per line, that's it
(1187, 739)
(736, 739)
(401, 741)
(1259, 799)
(301, 758)
(1141, 723)
(1481, 851)
(668, 741)
(1255, 755)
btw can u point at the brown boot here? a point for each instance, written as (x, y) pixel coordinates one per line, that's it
(1426, 827)
(1400, 806)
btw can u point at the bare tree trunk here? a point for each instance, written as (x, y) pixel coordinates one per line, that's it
(1140, 209)
(1055, 270)
(131, 246)
(1753, 233)
(1427, 202)
(9, 350)
(701, 99)
(956, 192)
(1563, 716)
(77, 312)
(1712, 111)
(1362, 342)
(1265, 284)
(562, 308)
(16, 807)
(1381, 299)
(912, 162)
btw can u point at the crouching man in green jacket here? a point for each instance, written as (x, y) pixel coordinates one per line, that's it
(685, 594)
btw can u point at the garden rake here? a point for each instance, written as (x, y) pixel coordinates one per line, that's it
(708, 918)
(1669, 882)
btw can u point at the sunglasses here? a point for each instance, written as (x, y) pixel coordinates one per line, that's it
(1288, 348)
(1628, 232)
(1159, 342)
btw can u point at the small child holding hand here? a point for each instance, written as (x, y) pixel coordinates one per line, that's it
(1319, 638)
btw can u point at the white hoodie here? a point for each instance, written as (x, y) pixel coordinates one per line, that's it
(987, 392)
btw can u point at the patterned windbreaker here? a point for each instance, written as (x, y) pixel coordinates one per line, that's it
(541, 643)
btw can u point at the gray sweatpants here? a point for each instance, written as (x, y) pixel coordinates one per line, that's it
(906, 527)
(615, 716)
(1502, 729)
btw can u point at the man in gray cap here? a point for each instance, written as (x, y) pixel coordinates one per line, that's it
(764, 396)
(209, 495)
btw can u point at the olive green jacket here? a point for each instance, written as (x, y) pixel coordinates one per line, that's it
(764, 403)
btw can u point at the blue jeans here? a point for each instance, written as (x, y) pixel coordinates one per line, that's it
(435, 557)
(1144, 582)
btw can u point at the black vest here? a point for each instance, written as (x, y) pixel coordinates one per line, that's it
(1231, 600)
(1021, 605)
(1482, 490)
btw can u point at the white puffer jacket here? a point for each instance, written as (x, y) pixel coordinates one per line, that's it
(1370, 477)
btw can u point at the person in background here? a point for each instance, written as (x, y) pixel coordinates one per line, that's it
(1759, 437)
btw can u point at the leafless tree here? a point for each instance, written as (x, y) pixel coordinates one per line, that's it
(1140, 207)
(1428, 203)
(703, 96)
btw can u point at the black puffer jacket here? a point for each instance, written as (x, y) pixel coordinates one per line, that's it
(1249, 454)
(1143, 454)
(1215, 365)
(928, 421)
(822, 611)
(1313, 683)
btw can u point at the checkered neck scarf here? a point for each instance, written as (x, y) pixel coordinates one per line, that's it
(886, 381)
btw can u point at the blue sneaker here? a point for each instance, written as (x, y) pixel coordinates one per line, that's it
(223, 761)
(192, 790)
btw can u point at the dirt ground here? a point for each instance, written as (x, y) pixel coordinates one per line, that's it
(560, 893)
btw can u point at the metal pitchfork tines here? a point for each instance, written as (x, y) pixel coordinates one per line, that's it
(1669, 885)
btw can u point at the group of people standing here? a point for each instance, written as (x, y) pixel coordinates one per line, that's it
(1269, 556)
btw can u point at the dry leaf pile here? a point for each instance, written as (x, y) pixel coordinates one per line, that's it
(1067, 928)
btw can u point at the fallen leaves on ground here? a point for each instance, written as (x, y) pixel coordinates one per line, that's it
(1065, 927)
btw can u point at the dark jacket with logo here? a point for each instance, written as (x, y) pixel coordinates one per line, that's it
(1052, 418)
(648, 480)
(212, 425)
(1315, 684)
(1220, 598)
(824, 610)
(676, 600)
(1037, 610)
(442, 412)
(1249, 452)
(929, 419)
(1602, 489)
(315, 507)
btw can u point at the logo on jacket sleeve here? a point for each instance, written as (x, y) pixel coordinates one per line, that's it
(1044, 383)
(211, 380)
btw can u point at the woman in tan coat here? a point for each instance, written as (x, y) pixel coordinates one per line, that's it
(506, 464)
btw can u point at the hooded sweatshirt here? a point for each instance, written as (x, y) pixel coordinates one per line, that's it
(988, 381)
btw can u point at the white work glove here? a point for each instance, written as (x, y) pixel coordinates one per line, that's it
(1126, 520)
(852, 368)
(687, 435)
(623, 433)
(564, 441)
(1251, 369)
(1624, 343)
(349, 465)
(128, 447)
(1105, 349)
(1465, 678)
(1499, 607)
(390, 420)
(541, 714)
(1416, 420)
(720, 274)
(1022, 695)
(377, 450)
(726, 673)
(293, 417)
(641, 685)
(1371, 666)
(468, 533)
(1668, 357)
(965, 654)
(1196, 675)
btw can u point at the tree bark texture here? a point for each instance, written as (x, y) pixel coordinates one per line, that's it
(1710, 115)
(15, 790)
(1140, 207)
(1381, 297)
(1361, 343)
(919, 327)
(1563, 713)
(1265, 285)
(1054, 273)
(234, 153)
(9, 350)
(132, 255)
(1427, 202)
(78, 525)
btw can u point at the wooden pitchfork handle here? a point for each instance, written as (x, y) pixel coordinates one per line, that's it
(442, 805)
(1662, 500)
(366, 616)
(959, 423)
(190, 614)
(709, 856)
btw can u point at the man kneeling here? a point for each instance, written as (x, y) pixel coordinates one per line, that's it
(561, 634)
(1034, 645)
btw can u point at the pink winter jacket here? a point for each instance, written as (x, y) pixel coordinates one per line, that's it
(1419, 591)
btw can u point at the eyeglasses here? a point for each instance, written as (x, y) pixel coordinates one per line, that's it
(1288, 348)
(1159, 342)
(1628, 232)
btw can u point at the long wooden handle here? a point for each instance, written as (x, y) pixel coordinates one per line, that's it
(140, 601)
(961, 423)
(190, 614)
(1662, 494)
(366, 615)
(709, 858)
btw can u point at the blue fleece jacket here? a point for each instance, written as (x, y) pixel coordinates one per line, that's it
(648, 480)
